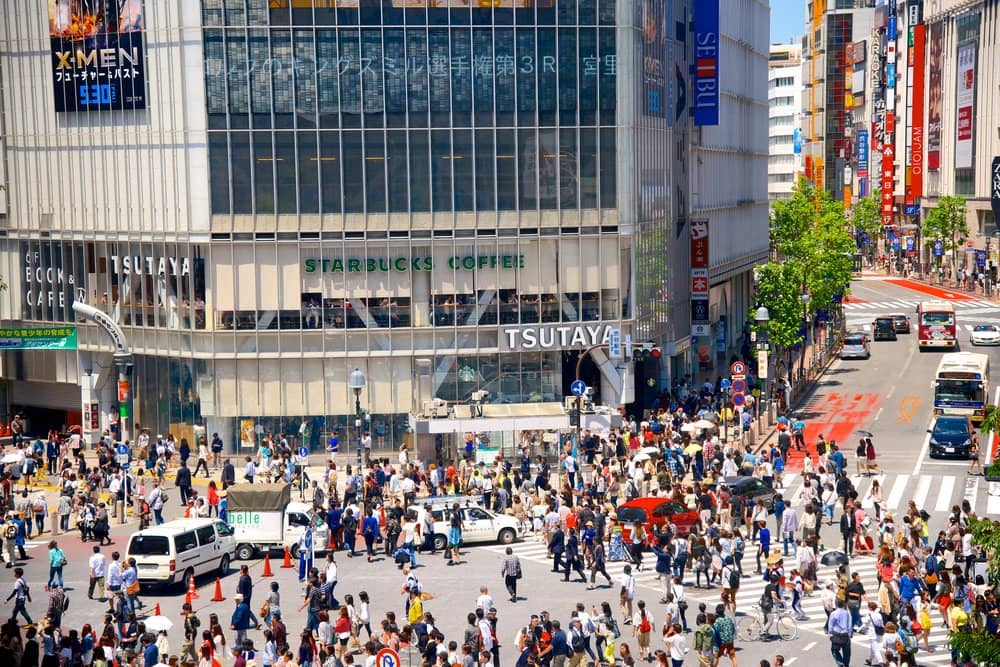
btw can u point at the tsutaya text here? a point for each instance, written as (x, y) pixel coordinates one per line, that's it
(554, 337)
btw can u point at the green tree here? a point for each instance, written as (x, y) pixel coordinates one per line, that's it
(778, 290)
(866, 215)
(978, 645)
(946, 223)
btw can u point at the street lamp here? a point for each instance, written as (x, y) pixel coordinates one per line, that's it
(805, 327)
(763, 317)
(356, 381)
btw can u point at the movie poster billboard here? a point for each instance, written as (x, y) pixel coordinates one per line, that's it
(936, 56)
(654, 58)
(97, 55)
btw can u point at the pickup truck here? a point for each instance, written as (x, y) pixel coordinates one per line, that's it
(264, 517)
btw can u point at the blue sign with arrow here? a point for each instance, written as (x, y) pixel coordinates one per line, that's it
(579, 387)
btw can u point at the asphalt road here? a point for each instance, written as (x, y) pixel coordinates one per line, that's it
(890, 395)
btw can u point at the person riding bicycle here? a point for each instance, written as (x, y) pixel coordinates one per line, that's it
(769, 600)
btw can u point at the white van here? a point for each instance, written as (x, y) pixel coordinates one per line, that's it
(479, 525)
(171, 552)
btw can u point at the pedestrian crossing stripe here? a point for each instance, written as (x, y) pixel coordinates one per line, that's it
(751, 587)
(865, 325)
(896, 304)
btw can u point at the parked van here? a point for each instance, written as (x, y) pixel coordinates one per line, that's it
(479, 525)
(171, 552)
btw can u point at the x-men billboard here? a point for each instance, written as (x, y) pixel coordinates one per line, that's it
(97, 57)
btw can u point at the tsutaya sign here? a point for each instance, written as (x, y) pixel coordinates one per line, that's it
(150, 266)
(554, 337)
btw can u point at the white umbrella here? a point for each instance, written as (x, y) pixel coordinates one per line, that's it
(649, 450)
(158, 623)
(689, 428)
(704, 424)
(12, 458)
(639, 458)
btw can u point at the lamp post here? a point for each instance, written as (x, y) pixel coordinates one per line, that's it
(763, 317)
(805, 326)
(356, 381)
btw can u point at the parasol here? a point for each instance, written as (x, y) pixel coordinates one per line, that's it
(639, 458)
(705, 424)
(693, 448)
(158, 623)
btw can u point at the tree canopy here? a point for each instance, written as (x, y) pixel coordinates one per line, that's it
(866, 214)
(946, 223)
(978, 645)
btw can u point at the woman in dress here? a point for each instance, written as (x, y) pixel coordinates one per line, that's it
(616, 547)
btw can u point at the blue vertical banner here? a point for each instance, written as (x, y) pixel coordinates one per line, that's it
(797, 141)
(706, 62)
(862, 144)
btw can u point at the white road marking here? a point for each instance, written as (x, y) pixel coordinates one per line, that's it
(923, 451)
(944, 494)
(896, 495)
(993, 498)
(879, 413)
(923, 486)
(971, 490)
(989, 435)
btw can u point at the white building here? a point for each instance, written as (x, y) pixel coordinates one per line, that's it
(784, 100)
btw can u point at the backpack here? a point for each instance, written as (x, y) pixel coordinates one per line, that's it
(907, 642)
(576, 642)
(644, 624)
(11, 531)
(734, 578)
(766, 603)
(613, 626)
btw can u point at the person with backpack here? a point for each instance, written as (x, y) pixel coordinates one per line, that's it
(21, 594)
(642, 625)
(725, 634)
(704, 642)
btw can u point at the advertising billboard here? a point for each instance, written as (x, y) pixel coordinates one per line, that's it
(706, 62)
(654, 57)
(965, 98)
(915, 158)
(97, 55)
(935, 57)
(699, 278)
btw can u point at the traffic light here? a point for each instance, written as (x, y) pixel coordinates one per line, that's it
(646, 351)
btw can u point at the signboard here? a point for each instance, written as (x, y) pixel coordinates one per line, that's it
(935, 57)
(95, 415)
(123, 391)
(915, 164)
(980, 258)
(939, 249)
(38, 338)
(699, 276)
(654, 55)
(554, 336)
(248, 433)
(578, 387)
(965, 99)
(862, 151)
(706, 62)
(995, 189)
(97, 55)
(738, 369)
(387, 657)
(739, 386)
(762, 364)
(615, 344)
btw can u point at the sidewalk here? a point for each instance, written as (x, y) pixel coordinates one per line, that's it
(929, 280)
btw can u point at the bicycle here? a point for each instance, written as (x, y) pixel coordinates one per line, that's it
(751, 628)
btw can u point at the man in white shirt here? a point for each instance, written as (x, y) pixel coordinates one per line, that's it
(484, 601)
(627, 592)
(366, 448)
(729, 468)
(410, 530)
(114, 486)
(155, 500)
(569, 466)
(96, 564)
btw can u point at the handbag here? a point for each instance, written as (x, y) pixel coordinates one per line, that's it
(133, 588)
(265, 609)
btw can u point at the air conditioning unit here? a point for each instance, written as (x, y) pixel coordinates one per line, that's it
(436, 408)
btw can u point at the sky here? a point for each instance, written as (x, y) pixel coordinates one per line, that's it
(788, 18)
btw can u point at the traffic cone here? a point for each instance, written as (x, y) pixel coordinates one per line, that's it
(331, 544)
(267, 566)
(188, 599)
(192, 592)
(156, 609)
(218, 591)
(287, 563)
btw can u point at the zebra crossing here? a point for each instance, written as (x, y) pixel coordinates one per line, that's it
(908, 306)
(865, 325)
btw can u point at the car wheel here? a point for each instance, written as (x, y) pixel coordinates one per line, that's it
(440, 542)
(506, 536)
(188, 573)
(224, 565)
(245, 551)
(294, 551)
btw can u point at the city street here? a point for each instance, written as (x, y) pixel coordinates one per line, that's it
(889, 395)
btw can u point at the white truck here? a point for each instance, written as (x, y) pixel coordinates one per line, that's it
(264, 517)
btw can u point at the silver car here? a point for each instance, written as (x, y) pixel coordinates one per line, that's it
(855, 347)
(985, 334)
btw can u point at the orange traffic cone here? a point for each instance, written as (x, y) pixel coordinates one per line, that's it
(188, 599)
(192, 592)
(331, 544)
(156, 609)
(218, 591)
(267, 566)
(288, 559)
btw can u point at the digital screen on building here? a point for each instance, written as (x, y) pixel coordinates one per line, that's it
(97, 55)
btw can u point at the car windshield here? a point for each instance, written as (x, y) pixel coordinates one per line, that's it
(937, 319)
(899, 318)
(631, 515)
(951, 427)
(149, 545)
(854, 340)
(958, 390)
(883, 323)
(985, 327)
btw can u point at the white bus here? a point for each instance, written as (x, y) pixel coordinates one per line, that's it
(961, 385)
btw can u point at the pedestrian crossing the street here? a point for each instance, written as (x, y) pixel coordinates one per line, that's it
(908, 306)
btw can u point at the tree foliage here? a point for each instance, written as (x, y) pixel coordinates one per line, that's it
(866, 214)
(946, 223)
(778, 285)
(980, 646)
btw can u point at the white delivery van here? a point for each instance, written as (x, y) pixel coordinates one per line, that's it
(173, 551)
(264, 517)
(479, 525)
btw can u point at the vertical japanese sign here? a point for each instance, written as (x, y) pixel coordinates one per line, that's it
(934, 97)
(699, 278)
(97, 55)
(706, 62)
(654, 57)
(888, 179)
(915, 83)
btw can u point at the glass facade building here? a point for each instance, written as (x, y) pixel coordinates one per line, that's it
(320, 185)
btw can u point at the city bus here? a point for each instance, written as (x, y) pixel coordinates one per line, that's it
(961, 385)
(936, 325)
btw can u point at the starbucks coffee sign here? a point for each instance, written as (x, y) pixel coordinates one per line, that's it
(416, 263)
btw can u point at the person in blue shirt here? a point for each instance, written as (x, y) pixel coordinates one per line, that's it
(798, 434)
(150, 654)
(764, 544)
(242, 620)
(837, 457)
(840, 629)
(370, 531)
(333, 517)
(559, 644)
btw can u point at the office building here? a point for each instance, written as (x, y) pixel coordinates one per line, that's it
(784, 100)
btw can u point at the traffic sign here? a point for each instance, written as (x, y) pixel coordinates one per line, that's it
(739, 400)
(387, 657)
(738, 368)
(122, 449)
(615, 344)
(739, 386)
(126, 466)
(579, 387)
(725, 384)
(303, 451)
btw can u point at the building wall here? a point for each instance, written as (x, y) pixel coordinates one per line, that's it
(784, 94)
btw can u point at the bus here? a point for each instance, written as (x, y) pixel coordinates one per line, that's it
(936, 325)
(961, 385)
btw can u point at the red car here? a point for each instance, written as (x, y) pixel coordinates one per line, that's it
(654, 514)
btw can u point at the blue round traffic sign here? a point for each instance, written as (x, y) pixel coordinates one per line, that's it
(122, 449)
(739, 386)
(739, 400)
(303, 451)
(579, 387)
(725, 384)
